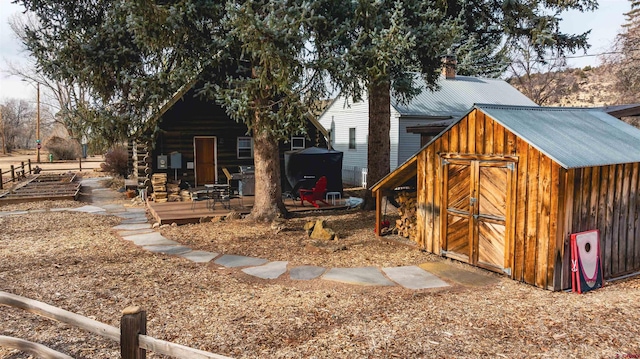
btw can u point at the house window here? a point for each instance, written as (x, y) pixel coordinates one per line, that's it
(297, 143)
(352, 138)
(245, 147)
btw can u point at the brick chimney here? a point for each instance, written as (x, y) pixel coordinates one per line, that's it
(449, 63)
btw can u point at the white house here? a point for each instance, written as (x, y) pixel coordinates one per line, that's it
(348, 122)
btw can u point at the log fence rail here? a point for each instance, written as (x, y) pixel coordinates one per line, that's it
(131, 335)
(17, 173)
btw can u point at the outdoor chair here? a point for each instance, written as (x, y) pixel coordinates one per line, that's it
(198, 196)
(316, 194)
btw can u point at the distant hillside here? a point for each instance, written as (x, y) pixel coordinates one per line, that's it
(586, 87)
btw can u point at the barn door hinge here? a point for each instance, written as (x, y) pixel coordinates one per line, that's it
(511, 166)
(445, 162)
(443, 252)
(507, 271)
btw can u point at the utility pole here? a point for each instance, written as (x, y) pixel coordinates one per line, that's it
(38, 144)
(4, 138)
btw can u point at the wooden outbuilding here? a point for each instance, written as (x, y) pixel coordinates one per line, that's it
(504, 187)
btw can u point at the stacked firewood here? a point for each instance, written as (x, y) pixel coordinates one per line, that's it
(173, 190)
(406, 224)
(159, 184)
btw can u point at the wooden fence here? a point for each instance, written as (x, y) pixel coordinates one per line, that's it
(131, 335)
(16, 173)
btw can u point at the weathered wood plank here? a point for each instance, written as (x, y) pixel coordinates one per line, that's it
(569, 190)
(610, 219)
(531, 238)
(617, 217)
(594, 196)
(471, 128)
(464, 135)
(631, 265)
(479, 138)
(454, 139)
(470, 157)
(585, 193)
(602, 210)
(438, 217)
(488, 135)
(544, 211)
(510, 145)
(511, 218)
(554, 273)
(624, 218)
(636, 237)
(521, 211)
(426, 166)
(498, 138)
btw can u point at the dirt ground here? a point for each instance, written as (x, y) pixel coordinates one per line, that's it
(75, 261)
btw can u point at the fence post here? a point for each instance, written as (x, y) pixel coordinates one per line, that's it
(132, 323)
(1, 180)
(29, 162)
(22, 169)
(80, 161)
(13, 174)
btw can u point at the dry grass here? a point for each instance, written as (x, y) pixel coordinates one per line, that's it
(76, 262)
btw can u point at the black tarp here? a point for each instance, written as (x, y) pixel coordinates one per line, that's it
(304, 167)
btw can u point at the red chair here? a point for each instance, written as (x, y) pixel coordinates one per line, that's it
(317, 193)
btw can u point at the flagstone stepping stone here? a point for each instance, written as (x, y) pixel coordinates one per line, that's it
(132, 226)
(412, 277)
(359, 276)
(173, 250)
(306, 272)
(150, 239)
(232, 260)
(88, 209)
(134, 232)
(270, 270)
(199, 256)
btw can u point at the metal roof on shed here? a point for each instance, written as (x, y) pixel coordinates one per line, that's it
(572, 137)
(456, 96)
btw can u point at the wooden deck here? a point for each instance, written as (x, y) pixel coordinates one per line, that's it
(189, 212)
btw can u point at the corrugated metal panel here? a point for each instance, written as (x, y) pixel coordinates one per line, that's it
(573, 137)
(456, 96)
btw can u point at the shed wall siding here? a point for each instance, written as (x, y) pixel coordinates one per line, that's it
(534, 223)
(607, 198)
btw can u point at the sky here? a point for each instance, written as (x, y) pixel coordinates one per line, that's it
(604, 23)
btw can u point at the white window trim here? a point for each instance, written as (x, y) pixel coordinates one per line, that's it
(304, 142)
(238, 147)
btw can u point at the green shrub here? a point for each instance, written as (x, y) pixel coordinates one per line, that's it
(62, 148)
(115, 161)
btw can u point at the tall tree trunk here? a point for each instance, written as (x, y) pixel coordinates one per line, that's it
(378, 144)
(268, 193)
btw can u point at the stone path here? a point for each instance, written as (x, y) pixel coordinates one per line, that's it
(135, 228)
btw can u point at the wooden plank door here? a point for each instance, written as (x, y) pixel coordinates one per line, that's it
(476, 197)
(205, 164)
(458, 217)
(490, 215)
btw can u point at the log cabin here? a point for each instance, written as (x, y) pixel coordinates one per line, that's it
(196, 139)
(504, 187)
